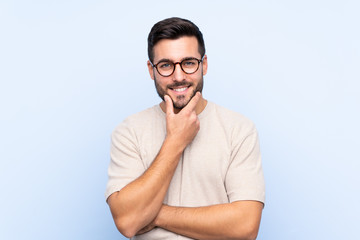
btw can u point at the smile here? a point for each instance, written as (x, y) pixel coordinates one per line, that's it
(180, 89)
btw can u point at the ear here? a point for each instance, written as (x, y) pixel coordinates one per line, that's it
(151, 69)
(205, 64)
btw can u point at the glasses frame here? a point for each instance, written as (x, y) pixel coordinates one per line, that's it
(180, 63)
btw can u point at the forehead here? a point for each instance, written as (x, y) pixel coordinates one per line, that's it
(176, 49)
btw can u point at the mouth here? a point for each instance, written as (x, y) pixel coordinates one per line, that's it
(180, 89)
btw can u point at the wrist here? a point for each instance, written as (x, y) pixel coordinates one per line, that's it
(175, 144)
(160, 220)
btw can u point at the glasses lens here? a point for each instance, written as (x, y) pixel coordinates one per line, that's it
(165, 68)
(190, 65)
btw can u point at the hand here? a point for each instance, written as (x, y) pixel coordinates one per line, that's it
(184, 125)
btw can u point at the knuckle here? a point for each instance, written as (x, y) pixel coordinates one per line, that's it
(188, 112)
(194, 117)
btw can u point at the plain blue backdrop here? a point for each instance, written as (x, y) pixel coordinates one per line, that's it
(70, 71)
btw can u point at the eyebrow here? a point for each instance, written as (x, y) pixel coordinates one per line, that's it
(168, 60)
(163, 60)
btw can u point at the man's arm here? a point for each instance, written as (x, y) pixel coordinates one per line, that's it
(237, 220)
(138, 203)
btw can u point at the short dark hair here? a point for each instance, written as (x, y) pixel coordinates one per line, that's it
(174, 28)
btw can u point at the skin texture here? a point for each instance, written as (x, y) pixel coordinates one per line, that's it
(138, 203)
(177, 50)
(237, 220)
(138, 207)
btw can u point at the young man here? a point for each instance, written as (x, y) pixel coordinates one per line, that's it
(186, 168)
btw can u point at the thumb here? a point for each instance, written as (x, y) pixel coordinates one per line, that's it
(169, 105)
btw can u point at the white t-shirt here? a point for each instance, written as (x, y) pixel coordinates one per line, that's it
(221, 165)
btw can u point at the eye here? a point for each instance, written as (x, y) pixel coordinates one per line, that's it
(164, 65)
(189, 63)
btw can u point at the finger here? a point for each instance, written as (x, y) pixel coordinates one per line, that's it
(169, 105)
(193, 102)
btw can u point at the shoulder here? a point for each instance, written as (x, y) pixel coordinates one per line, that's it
(231, 119)
(140, 120)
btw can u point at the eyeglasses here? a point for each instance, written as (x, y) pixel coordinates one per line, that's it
(189, 65)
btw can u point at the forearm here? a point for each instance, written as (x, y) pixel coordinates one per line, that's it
(137, 204)
(238, 220)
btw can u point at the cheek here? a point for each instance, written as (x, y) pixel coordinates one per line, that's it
(160, 83)
(196, 78)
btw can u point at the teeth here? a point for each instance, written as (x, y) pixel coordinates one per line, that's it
(180, 89)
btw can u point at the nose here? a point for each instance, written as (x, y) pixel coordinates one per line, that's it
(178, 74)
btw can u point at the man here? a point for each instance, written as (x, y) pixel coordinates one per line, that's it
(186, 168)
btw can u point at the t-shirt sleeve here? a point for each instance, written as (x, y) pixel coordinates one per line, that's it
(125, 160)
(244, 178)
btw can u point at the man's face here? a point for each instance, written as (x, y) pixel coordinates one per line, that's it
(180, 86)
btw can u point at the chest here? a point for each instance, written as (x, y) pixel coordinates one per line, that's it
(201, 171)
(207, 155)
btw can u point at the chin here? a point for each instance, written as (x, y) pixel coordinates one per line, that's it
(181, 101)
(179, 106)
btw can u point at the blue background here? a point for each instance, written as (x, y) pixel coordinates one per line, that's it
(70, 71)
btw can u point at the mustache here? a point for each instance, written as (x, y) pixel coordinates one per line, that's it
(178, 84)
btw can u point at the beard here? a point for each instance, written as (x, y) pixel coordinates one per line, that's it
(179, 102)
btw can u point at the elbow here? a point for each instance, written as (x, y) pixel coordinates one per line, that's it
(125, 227)
(251, 235)
(125, 222)
(248, 233)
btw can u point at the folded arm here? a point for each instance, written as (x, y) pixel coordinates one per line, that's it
(237, 220)
(138, 203)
